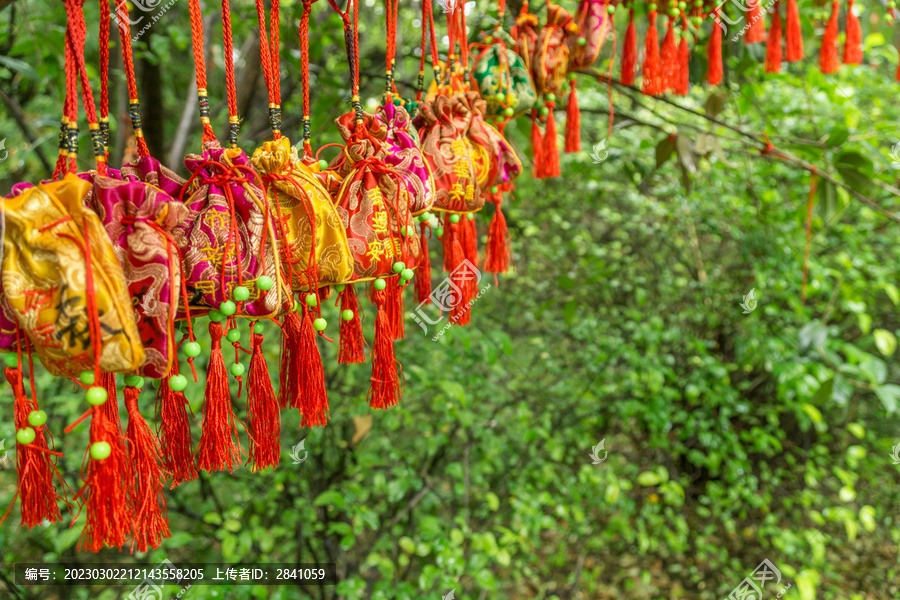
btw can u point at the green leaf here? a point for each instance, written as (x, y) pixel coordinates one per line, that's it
(837, 136)
(856, 429)
(893, 293)
(493, 501)
(812, 412)
(715, 103)
(19, 66)
(807, 580)
(889, 395)
(664, 150)
(885, 341)
(812, 336)
(867, 518)
(685, 153)
(407, 544)
(330, 498)
(648, 478)
(857, 170)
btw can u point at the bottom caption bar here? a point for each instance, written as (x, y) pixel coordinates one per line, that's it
(167, 573)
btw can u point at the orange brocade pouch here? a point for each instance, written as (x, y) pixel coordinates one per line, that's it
(59, 269)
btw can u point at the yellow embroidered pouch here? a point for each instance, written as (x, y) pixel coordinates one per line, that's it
(58, 262)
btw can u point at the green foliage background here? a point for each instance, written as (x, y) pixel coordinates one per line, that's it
(731, 437)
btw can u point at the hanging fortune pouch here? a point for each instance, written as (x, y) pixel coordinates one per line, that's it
(308, 221)
(502, 76)
(400, 150)
(57, 254)
(232, 241)
(139, 219)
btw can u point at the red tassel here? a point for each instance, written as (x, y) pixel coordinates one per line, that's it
(111, 406)
(220, 446)
(684, 72)
(453, 253)
(828, 54)
(757, 27)
(669, 59)
(108, 521)
(469, 238)
(351, 334)
(537, 145)
(145, 495)
(34, 467)
(263, 416)
(853, 39)
(289, 371)
(652, 84)
(714, 73)
(496, 256)
(386, 387)
(773, 44)
(463, 278)
(793, 35)
(174, 429)
(394, 307)
(629, 52)
(423, 273)
(573, 121)
(551, 151)
(313, 399)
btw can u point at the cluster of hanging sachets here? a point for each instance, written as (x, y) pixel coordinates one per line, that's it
(109, 271)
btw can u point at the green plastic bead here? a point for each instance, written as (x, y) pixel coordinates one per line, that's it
(470, 216)
(237, 369)
(25, 435)
(96, 396)
(233, 335)
(320, 324)
(551, 97)
(11, 359)
(439, 231)
(347, 315)
(297, 306)
(407, 274)
(682, 5)
(508, 111)
(380, 284)
(216, 317)
(610, 10)
(500, 98)
(323, 164)
(240, 294)
(264, 282)
(544, 111)
(673, 13)
(398, 266)
(36, 418)
(177, 383)
(311, 299)
(86, 377)
(651, 7)
(340, 288)
(134, 381)
(228, 308)
(685, 34)
(454, 218)
(409, 231)
(494, 189)
(100, 450)
(192, 349)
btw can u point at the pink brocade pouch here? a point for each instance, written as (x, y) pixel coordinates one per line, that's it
(139, 219)
(401, 151)
(231, 240)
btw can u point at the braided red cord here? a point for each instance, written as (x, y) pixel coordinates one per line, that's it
(75, 15)
(104, 59)
(128, 62)
(228, 44)
(304, 69)
(199, 60)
